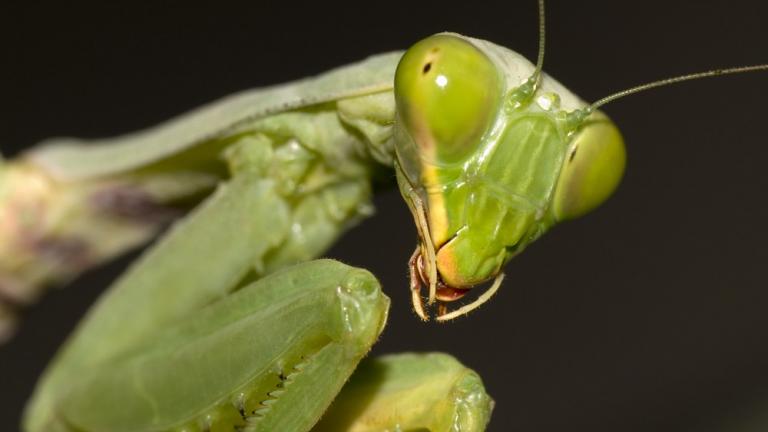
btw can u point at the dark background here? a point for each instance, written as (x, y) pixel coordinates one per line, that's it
(648, 315)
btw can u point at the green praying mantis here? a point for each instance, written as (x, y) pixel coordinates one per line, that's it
(297, 163)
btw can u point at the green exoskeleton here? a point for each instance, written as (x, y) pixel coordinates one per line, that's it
(217, 327)
(214, 328)
(170, 346)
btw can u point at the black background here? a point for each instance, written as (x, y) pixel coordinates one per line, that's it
(648, 315)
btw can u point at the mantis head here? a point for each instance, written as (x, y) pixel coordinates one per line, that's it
(490, 154)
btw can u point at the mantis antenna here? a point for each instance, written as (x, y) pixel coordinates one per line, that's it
(673, 80)
(532, 83)
(542, 40)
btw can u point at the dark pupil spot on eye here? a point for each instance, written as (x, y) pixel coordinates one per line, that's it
(427, 67)
(573, 153)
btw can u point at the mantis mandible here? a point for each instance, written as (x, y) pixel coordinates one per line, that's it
(241, 153)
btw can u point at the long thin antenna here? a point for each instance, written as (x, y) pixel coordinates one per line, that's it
(689, 77)
(542, 39)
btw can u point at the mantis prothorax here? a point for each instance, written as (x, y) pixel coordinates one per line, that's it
(489, 153)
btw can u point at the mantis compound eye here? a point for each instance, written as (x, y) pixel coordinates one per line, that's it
(592, 169)
(447, 93)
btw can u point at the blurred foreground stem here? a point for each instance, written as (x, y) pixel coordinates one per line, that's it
(52, 230)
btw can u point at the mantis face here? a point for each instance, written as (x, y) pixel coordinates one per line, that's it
(489, 156)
